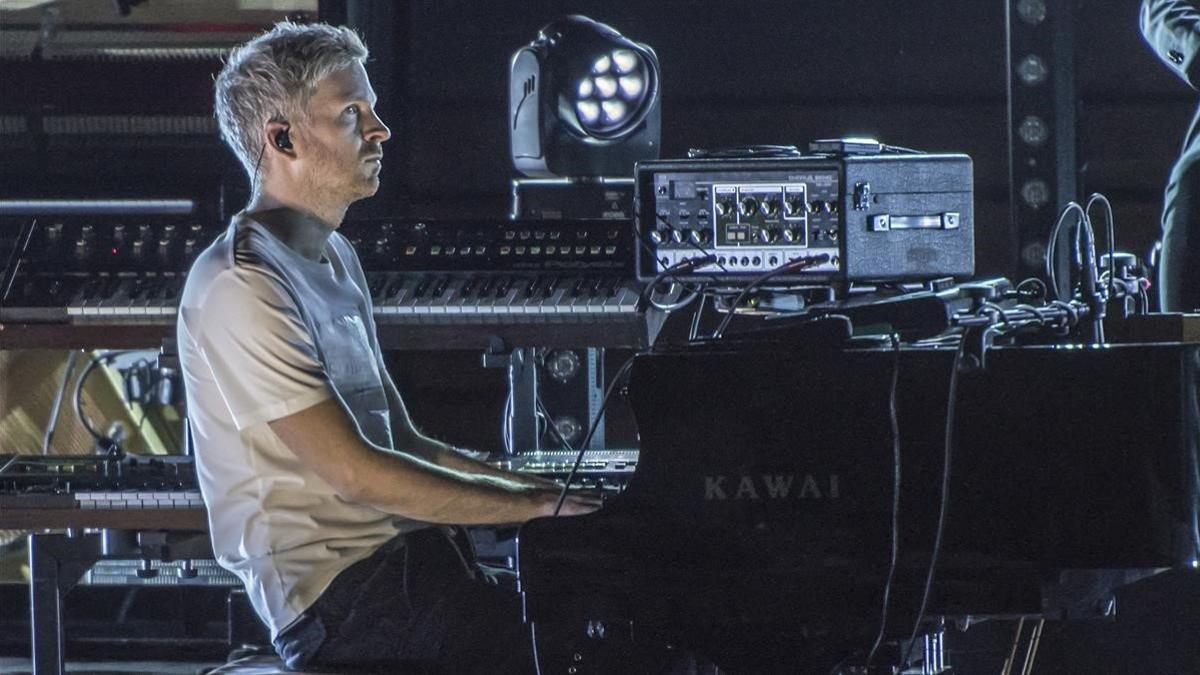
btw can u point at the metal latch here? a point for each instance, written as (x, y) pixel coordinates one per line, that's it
(884, 222)
(862, 196)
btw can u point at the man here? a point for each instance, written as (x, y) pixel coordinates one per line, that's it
(1172, 27)
(319, 488)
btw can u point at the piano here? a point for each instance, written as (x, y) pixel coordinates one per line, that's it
(116, 281)
(756, 529)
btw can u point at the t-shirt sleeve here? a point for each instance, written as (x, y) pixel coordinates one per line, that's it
(262, 356)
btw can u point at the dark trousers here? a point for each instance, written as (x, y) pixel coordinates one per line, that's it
(416, 605)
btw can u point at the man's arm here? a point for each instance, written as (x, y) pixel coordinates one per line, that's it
(408, 438)
(1172, 27)
(326, 439)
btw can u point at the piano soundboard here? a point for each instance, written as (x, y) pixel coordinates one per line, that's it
(433, 285)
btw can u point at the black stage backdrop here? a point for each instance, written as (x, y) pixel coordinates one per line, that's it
(928, 75)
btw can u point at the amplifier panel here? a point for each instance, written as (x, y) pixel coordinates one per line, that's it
(877, 218)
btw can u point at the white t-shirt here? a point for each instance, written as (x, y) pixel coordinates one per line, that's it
(263, 333)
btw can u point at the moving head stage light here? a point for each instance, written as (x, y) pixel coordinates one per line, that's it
(583, 101)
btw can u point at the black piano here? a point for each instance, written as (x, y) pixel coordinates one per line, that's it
(757, 527)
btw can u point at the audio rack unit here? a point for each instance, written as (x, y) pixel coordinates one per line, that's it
(882, 217)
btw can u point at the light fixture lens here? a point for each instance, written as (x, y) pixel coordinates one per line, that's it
(625, 61)
(1033, 130)
(589, 111)
(1032, 70)
(614, 111)
(631, 86)
(606, 86)
(585, 87)
(602, 65)
(1032, 12)
(1036, 193)
(1033, 254)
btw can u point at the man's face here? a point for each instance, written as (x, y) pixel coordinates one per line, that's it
(342, 137)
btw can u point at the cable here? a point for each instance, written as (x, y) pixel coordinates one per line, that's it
(83, 419)
(894, 419)
(674, 306)
(1110, 233)
(1071, 207)
(1037, 295)
(694, 328)
(257, 165)
(947, 452)
(612, 386)
(793, 265)
(95, 360)
(687, 264)
(56, 408)
(550, 426)
(537, 664)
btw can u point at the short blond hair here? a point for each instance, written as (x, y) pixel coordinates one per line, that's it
(272, 77)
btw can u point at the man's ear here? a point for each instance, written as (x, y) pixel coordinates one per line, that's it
(279, 137)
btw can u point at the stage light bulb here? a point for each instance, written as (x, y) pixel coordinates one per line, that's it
(602, 65)
(585, 87)
(625, 61)
(631, 86)
(589, 111)
(606, 86)
(614, 111)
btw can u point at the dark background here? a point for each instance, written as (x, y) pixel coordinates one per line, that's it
(928, 75)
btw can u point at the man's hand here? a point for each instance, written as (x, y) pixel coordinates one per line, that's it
(576, 503)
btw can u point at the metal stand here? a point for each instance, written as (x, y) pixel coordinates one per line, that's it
(522, 411)
(933, 661)
(58, 560)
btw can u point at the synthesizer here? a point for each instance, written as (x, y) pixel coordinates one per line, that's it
(434, 285)
(38, 491)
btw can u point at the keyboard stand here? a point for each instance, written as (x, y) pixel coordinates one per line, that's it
(58, 558)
